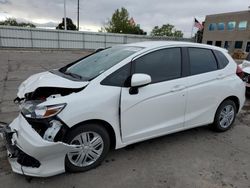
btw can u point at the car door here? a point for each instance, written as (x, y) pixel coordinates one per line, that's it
(159, 107)
(204, 87)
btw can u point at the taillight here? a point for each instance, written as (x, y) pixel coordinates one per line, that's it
(239, 72)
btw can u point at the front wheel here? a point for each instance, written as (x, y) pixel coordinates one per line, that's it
(94, 145)
(225, 116)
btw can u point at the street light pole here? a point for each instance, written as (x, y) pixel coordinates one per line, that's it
(65, 22)
(78, 15)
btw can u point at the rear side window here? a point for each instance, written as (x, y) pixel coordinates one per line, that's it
(201, 61)
(221, 59)
(161, 65)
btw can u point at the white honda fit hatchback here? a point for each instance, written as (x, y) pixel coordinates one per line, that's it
(72, 116)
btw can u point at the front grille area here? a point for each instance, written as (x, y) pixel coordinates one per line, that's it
(7, 134)
(40, 126)
(26, 160)
(14, 152)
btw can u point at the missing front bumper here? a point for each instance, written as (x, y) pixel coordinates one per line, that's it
(30, 154)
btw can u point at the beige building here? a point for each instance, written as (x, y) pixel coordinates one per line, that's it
(228, 30)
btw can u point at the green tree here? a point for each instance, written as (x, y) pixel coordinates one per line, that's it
(166, 30)
(13, 22)
(122, 23)
(70, 25)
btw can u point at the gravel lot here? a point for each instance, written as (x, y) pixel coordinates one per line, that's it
(193, 158)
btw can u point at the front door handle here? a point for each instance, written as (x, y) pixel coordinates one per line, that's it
(177, 88)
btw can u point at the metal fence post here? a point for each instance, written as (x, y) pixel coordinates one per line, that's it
(105, 40)
(83, 41)
(125, 39)
(58, 41)
(0, 39)
(31, 39)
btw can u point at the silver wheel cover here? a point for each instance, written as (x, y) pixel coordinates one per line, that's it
(91, 149)
(226, 116)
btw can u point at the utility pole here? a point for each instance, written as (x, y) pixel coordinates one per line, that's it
(65, 22)
(78, 15)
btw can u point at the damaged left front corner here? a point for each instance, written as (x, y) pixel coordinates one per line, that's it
(36, 156)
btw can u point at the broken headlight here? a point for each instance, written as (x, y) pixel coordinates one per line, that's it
(31, 109)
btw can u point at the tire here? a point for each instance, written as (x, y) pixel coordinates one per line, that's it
(90, 155)
(225, 116)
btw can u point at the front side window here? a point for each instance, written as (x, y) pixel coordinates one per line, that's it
(242, 25)
(201, 61)
(231, 25)
(161, 65)
(92, 66)
(119, 77)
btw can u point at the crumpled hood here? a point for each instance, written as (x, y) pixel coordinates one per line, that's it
(47, 79)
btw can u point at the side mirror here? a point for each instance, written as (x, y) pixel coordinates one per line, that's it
(139, 80)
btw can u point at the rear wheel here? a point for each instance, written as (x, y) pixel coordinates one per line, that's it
(94, 145)
(225, 116)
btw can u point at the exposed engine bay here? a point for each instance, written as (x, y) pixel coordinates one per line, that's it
(43, 119)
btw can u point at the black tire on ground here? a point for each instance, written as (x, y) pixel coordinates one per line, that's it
(91, 127)
(216, 124)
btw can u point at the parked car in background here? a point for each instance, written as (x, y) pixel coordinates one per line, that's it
(245, 68)
(70, 117)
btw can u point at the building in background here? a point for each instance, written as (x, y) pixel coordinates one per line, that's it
(228, 30)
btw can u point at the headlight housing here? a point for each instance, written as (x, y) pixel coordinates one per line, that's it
(31, 109)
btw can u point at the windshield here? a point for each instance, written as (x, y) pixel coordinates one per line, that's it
(92, 66)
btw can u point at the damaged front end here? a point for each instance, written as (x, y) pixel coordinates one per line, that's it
(30, 154)
(245, 66)
(35, 140)
(43, 118)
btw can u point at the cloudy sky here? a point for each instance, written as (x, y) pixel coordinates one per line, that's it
(94, 13)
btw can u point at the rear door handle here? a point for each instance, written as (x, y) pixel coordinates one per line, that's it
(177, 88)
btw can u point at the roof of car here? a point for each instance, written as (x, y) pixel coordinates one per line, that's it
(155, 44)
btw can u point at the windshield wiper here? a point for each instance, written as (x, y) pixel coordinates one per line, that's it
(74, 75)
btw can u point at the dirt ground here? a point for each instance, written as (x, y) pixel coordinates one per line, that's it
(193, 158)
